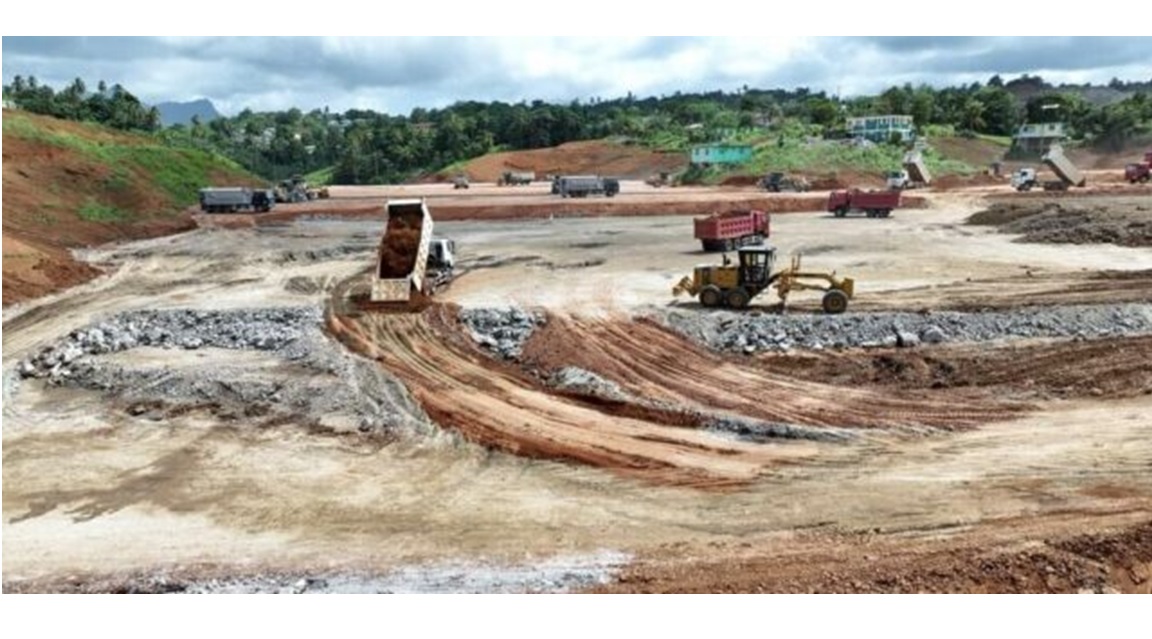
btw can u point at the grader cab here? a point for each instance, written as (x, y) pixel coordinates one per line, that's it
(735, 285)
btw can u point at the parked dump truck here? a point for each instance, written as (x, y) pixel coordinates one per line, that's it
(585, 185)
(516, 178)
(233, 199)
(409, 260)
(731, 230)
(735, 285)
(779, 182)
(871, 203)
(1139, 171)
(1059, 163)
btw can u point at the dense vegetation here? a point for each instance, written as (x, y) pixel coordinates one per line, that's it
(363, 146)
(114, 107)
(124, 173)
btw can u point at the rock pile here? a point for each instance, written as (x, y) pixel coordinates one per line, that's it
(754, 332)
(269, 329)
(501, 331)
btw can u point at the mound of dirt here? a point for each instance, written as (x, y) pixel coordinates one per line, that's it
(1111, 368)
(974, 151)
(846, 180)
(949, 182)
(740, 180)
(1120, 221)
(399, 247)
(586, 157)
(58, 194)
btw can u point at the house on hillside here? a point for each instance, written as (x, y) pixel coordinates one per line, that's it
(1034, 139)
(881, 128)
(721, 153)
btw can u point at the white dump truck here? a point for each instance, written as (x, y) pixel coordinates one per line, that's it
(1059, 163)
(914, 173)
(409, 259)
(1069, 175)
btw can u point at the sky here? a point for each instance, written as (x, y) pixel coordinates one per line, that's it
(395, 74)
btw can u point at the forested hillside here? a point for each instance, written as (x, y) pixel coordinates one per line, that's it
(363, 146)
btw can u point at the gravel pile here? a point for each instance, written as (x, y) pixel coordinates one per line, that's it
(572, 378)
(272, 329)
(501, 331)
(760, 432)
(559, 574)
(754, 332)
(316, 380)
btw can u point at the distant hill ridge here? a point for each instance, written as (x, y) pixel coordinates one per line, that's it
(183, 112)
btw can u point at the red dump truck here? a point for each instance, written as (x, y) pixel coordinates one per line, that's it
(871, 203)
(731, 230)
(1139, 171)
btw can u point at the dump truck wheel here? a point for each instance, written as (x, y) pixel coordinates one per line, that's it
(885, 212)
(710, 296)
(841, 212)
(834, 302)
(738, 298)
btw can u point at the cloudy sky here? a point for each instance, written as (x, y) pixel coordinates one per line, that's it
(395, 74)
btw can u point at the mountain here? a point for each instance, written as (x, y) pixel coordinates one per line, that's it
(182, 112)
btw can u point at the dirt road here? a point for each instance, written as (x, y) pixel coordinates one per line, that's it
(501, 476)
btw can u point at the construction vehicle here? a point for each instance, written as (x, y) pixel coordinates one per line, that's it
(913, 175)
(1139, 171)
(871, 203)
(736, 285)
(1059, 163)
(1027, 179)
(409, 261)
(295, 189)
(585, 185)
(516, 178)
(731, 230)
(779, 182)
(460, 182)
(232, 199)
(660, 179)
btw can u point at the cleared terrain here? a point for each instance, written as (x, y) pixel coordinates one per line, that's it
(340, 450)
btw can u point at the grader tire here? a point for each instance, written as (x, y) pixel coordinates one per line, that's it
(710, 297)
(737, 298)
(835, 302)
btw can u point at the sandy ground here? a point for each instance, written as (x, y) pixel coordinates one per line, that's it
(94, 498)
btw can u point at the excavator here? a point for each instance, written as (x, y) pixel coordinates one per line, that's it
(735, 285)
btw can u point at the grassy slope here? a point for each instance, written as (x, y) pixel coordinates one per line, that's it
(71, 184)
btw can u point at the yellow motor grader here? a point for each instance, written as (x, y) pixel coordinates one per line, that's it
(734, 285)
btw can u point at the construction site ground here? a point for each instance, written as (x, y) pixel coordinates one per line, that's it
(344, 450)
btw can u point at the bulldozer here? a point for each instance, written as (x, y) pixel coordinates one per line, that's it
(735, 285)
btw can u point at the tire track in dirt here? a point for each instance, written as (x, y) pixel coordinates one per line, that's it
(651, 361)
(501, 406)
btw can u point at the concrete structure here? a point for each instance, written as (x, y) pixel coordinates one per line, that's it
(880, 128)
(722, 153)
(1034, 139)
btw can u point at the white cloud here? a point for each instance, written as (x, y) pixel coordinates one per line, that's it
(395, 74)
